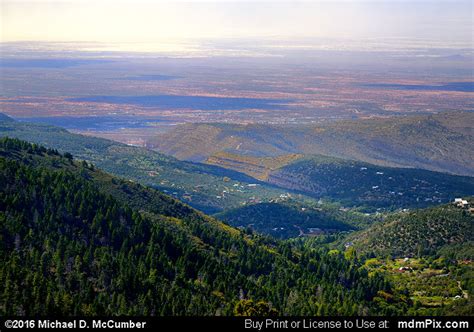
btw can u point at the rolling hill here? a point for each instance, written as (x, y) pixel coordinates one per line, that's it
(205, 187)
(444, 229)
(362, 184)
(235, 180)
(350, 182)
(290, 219)
(439, 142)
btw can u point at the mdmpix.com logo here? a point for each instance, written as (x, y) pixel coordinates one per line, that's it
(430, 323)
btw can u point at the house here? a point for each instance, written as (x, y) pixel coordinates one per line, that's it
(462, 203)
(404, 268)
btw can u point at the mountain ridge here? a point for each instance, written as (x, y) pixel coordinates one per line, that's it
(351, 182)
(206, 187)
(439, 142)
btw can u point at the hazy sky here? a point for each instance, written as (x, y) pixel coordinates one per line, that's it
(148, 21)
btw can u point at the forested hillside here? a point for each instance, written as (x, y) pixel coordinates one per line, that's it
(363, 184)
(75, 241)
(446, 229)
(427, 255)
(289, 219)
(208, 188)
(353, 183)
(439, 142)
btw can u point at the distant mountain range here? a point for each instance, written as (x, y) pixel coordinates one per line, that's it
(440, 142)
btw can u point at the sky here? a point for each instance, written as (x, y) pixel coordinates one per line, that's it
(146, 21)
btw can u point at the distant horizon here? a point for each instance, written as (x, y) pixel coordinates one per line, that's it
(253, 47)
(150, 22)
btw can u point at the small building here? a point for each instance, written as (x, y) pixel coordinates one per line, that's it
(462, 203)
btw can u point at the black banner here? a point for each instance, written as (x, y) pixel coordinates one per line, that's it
(237, 323)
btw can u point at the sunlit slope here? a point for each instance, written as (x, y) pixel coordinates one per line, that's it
(257, 167)
(439, 142)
